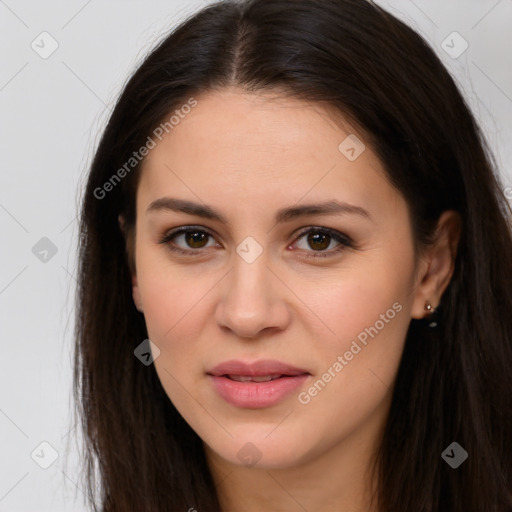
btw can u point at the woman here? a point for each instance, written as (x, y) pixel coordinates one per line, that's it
(295, 275)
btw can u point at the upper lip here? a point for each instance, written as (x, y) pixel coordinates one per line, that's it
(259, 368)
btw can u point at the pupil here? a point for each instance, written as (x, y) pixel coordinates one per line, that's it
(195, 236)
(313, 238)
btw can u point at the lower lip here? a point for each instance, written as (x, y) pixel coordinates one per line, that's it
(256, 395)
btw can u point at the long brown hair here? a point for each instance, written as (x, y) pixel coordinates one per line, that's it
(454, 382)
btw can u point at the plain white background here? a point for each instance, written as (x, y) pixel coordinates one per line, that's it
(52, 112)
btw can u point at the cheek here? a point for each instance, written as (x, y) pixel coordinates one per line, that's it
(364, 295)
(174, 299)
(367, 315)
(355, 369)
(171, 301)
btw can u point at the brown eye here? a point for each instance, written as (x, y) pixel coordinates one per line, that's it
(319, 239)
(195, 239)
(190, 240)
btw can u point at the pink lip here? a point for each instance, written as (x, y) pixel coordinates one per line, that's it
(257, 368)
(256, 395)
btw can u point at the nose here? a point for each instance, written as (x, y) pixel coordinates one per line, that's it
(252, 299)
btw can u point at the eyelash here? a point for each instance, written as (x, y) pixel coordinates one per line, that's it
(344, 240)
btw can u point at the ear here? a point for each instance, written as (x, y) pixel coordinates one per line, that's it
(137, 299)
(122, 223)
(437, 264)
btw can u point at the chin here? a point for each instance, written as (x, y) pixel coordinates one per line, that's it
(259, 452)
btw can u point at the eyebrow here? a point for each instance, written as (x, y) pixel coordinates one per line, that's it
(282, 215)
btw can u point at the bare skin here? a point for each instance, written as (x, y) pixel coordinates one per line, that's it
(248, 156)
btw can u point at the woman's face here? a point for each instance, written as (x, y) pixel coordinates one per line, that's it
(253, 285)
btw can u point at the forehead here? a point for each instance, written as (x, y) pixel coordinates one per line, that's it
(231, 123)
(236, 146)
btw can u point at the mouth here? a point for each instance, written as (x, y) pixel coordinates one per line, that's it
(256, 385)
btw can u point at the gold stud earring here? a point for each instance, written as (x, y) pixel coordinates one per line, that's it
(432, 316)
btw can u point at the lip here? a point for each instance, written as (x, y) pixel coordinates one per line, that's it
(256, 395)
(255, 368)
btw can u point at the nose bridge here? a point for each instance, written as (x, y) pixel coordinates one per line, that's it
(249, 300)
(249, 289)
